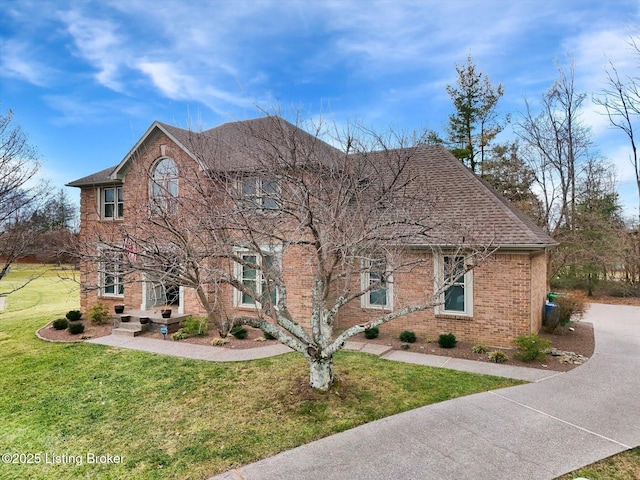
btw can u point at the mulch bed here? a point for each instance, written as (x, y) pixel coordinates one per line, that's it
(90, 331)
(580, 340)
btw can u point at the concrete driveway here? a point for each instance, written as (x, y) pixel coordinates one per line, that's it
(535, 431)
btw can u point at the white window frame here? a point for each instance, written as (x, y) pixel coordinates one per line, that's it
(238, 299)
(117, 194)
(111, 270)
(258, 197)
(366, 281)
(467, 284)
(164, 201)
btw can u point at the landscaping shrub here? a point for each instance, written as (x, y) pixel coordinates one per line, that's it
(479, 349)
(75, 328)
(180, 335)
(497, 356)
(569, 305)
(408, 336)
(405, 346)
(239, 332)
(193, 325)
(60, 323)
(447, 340)
(99, 314)
(372, 332)
(531, 347)
(219, 341)
(268, 336)
(74, 315)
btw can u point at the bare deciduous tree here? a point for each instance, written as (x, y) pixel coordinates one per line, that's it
(298, 230)
(19, 196)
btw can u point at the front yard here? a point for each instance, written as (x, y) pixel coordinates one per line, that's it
(88, 411)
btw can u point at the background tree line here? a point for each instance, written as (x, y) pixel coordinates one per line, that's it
(553, 172)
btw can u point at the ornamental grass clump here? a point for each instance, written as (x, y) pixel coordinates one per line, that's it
(497, 356)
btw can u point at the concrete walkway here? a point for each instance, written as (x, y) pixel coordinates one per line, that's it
(222, 354)
(535, 431)
(558, 423)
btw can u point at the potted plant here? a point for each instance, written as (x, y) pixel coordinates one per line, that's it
(165, 312)
(144, 320)
(118, 308)
(125, 318)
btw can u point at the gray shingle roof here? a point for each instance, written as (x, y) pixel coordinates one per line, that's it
(466, 205)
(98, 178)
(463, 203)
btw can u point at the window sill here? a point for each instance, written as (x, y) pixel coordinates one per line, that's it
(453, 316)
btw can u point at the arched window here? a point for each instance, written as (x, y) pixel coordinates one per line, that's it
(164, 186)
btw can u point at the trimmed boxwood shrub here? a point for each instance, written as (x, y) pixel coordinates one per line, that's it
(60, 323)
(74, 315)
(75, 328)
(447, 340)
(408, 336)
(239, 332)
(372, 332)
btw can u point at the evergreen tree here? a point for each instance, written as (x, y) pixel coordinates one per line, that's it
(474, 124)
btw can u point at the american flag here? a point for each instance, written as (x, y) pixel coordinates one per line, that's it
(130, 248)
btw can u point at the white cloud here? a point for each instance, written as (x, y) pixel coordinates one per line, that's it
(17, 61)
(99, 42)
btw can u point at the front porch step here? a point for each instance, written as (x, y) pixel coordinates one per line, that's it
(126, 332)
(130, 329)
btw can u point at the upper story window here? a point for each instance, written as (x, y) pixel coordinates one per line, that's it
(164, 186)
(457, 298)
(376, 278)
(112, 203)
(262, 192)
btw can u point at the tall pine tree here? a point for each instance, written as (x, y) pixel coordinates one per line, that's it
(474, 124)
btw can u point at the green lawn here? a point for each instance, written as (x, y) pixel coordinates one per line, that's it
(175, 418)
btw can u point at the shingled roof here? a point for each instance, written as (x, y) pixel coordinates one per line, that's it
(99, 178)
(463, 202)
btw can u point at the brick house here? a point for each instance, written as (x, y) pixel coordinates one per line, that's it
(492, 303)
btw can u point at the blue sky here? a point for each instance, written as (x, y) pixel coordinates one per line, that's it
(85, 79)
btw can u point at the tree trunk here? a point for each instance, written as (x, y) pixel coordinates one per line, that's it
(321, 373)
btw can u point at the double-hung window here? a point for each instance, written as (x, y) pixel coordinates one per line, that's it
(112, 203)
(254, 280)
(111, 279)
(456, 282)
(261, 192)
(378, 285)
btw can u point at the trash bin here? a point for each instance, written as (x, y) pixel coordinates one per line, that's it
(551, 316)
(551, 296)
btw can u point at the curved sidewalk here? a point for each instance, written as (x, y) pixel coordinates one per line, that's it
(221, 354)
(535, 431)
